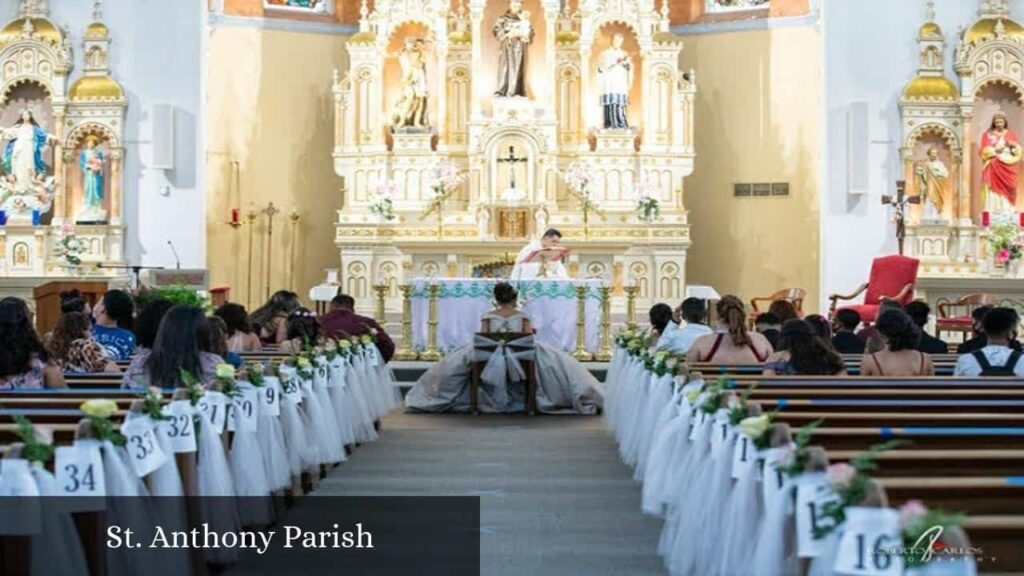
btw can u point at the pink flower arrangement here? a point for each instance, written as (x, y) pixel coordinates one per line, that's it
(445, 177)
(577, 177)
(840, 476)
(1003, 255)
(787, 455)
(911, 512)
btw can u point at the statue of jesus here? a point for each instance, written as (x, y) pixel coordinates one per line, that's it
(514, 33)
(542, 258)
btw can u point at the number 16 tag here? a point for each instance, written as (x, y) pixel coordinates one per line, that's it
(80, 473)
(143, 449)
(871, 543)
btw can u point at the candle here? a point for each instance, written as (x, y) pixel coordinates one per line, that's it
(1020, 218)
(3, 218)
(986, 219)
(37, 218)
(235, 216)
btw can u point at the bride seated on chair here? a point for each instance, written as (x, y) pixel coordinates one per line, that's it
(563, 384)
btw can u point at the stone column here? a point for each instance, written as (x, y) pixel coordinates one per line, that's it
(61, 204)
(116, 157)
(964, 215)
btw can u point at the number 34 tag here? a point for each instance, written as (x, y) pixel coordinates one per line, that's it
(80, 470)
(871, 542)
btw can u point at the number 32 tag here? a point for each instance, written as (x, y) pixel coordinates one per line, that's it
(143, 449)
(871, 542)
(80, 470)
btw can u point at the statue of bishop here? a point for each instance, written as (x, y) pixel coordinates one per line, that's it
(615, 78)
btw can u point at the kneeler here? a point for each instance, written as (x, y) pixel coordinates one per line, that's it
(500, 359)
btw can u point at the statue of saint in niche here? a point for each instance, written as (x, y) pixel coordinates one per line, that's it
(411, 108)
(514, 33)
(933, 186)
(615, 77)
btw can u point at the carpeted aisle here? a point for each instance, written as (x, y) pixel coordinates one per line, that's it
(555, 498)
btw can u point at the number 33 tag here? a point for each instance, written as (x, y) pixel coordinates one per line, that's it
(871, 543)
(143, 449)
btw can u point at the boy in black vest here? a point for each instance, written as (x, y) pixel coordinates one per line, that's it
(996, 358)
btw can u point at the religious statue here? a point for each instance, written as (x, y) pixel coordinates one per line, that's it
(411, 108)
(1000, 155)
(615, 77)
(514, 33)
(540, 219)
(23, 156)
(483, 223)
(933, 185)
(91, 162)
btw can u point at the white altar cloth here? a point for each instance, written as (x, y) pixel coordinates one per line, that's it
(550, 304)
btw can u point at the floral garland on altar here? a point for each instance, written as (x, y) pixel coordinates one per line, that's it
(648, 208)
(578, 178)
(69, 247)
(383, 206)
(1006, 242)
(445, 179)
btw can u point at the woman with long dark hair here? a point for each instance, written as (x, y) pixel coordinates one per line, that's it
(900, 356)
(74, 350)
(148, 322)
(731, 343)
(303, 330)
(182, 343)
(802, 352)
(24, 362)
(241, 337)
(271, 319)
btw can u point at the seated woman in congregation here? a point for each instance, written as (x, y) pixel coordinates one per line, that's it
(24, 362)
(182, 342)
(802, 352)
(147, 324)
(219, 341)
(73, 349)
(303, 329)
(660, 316)
(241, 336)
(731, 343)
(899, 355)
(271, 320)
(563, 384)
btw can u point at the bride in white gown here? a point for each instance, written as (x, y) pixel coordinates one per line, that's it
(563, 384)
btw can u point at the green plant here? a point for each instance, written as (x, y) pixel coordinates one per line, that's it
(178, 295)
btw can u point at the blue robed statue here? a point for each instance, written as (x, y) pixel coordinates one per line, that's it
(91, 161)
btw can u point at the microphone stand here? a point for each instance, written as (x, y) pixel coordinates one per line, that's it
(135, 269)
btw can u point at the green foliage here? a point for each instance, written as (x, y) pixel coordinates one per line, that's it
(799, 456)
(177, 295)
(35, 450)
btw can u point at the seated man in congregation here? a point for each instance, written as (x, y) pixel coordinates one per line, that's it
(342, 320)
(980, 339)
(919, 313)
(845, 340)
(114, 317)
(997, 358)
(687, 324)
(563, 384)
(770, 326)
(730, 343)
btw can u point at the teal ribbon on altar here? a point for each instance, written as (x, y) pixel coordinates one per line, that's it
(528, 289)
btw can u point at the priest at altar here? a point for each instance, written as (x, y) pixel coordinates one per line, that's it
(542, 258)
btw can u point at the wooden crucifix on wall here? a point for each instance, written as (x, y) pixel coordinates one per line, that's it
(900, 203)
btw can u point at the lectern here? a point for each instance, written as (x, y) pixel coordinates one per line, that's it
(47, 297)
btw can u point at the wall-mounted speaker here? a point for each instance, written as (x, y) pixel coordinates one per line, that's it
(858, 143)
(163, 137)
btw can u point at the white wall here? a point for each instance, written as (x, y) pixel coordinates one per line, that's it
(870, 53)
(156, 56)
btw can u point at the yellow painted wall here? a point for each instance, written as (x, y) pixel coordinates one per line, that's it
(270, 108)
(758, 119)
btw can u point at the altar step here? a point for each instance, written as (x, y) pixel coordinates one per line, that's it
(407, 373)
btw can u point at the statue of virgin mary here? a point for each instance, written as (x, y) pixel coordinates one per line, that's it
(23, 155)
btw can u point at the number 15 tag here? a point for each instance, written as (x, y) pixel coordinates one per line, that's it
(80, 471)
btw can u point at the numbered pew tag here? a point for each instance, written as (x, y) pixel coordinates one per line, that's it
(270, 396)
(290, 391)
(213, 406)
(812, 493)
(336, 373)
(772, 479)
(79, 471)
(20, 512)
(320, 372)
(179, 428)
(374, 355)
(698, 422)
(143, 449)
(744, 456)
(871, 542)
(244, 410)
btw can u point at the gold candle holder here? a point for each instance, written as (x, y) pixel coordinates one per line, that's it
(250, 219)
(294, 216)
(432, 354)
(581, 353)
(604, 354)
(270, 211)
(380, 315)
(631, 292)
(405, 351)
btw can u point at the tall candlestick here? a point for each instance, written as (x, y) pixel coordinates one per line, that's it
(986, 219)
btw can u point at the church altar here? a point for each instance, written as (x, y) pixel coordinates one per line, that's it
(61, 176)
(551, 305)
(459, 122)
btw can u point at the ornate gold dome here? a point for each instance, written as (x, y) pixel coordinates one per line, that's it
(97, 30)
(929, 30)
(363, 38)
(566, 37)
(95, 88)
(464, 37)
(987, 27)
(931, 88)
(666, 38)
(42, 28)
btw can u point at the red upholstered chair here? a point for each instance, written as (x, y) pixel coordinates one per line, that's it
(956, 316)
(892, 278)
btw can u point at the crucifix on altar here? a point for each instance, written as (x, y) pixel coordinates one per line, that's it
(900, 203)
(512, 195)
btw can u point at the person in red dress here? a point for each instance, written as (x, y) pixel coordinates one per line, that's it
(342, 320)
